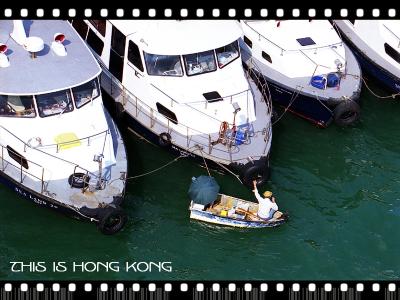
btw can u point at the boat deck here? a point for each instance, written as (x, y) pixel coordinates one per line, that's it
(59, 188)
(48, 71)
(257, 146)
(350, 85)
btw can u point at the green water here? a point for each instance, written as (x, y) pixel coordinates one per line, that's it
(339, 185)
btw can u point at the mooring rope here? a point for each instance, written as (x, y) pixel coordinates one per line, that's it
(157, 169)
(378, 96)
(371, 91)
(219, 164)
(205, 163)
(294, 97)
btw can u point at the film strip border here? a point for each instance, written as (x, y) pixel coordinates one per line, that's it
(201, 13)
(101, 290)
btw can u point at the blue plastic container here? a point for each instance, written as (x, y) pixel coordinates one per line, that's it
(333, 80)
(240, 137)
(319, 82)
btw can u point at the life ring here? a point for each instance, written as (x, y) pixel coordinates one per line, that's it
(256, 171)
(164, 139)
(35, 142)
(112, 220)
(78, 180)
(346, 113)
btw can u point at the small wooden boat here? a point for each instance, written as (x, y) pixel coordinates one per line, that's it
(231, 211)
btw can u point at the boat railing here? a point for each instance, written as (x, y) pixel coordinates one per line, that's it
(87, 138)
(395, 35)
(22, 171)
(283, 50)
(204, 141)
(48, 157)
(253, 72)
(205, 102)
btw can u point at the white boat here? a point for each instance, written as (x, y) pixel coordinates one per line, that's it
(59, 147)
(234, 212)
(376, 44)
(183, 87)
(309, 70)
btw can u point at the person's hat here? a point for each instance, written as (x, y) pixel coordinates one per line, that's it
(267, 194)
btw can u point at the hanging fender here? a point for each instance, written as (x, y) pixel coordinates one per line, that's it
(111, 220)
(256, 171)
(346, 113)
(164, 139)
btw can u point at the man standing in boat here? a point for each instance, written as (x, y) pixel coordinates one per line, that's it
(267, 205)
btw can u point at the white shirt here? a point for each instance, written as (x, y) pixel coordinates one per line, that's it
(264, 205)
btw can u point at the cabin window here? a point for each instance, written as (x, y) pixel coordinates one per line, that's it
(85, 93)
(81, 27)
(227, 54)
(17, 157)
(266, 57)
(393, 53)
(95, 42)
(100, 26)
(199, 63)
(307, 41)
(118, 42)
(54, 103)
(167, 113)
(134, 56)
(163, 65)
(116, 65)
(17, 106)
(248, 41)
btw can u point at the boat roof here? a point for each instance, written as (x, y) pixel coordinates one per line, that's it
(285, 33)
(47, 72)
(173, 37)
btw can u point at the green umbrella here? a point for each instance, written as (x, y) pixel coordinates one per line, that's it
(203, 190)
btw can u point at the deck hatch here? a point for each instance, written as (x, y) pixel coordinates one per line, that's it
(307, 41)
(212, 96)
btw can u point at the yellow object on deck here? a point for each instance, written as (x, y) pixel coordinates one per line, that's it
(224, 213)
(67, 140)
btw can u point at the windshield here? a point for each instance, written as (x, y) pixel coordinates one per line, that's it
(227, 54)
(199, 63)
(17, 106)
(163, 65)
(54, 103)
(85, 93)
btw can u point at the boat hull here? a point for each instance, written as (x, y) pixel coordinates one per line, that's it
(39, 199)
(220, 220)
(383, 76)
(144, 132)
(304, 106)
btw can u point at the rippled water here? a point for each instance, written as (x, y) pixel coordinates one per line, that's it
(339, 185)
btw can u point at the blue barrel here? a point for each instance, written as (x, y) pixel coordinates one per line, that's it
(333, 80)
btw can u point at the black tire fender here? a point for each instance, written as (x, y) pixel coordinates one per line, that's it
(164, 139)
(346, 113)
(258, 172)
(78, 180)
(112, 220)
